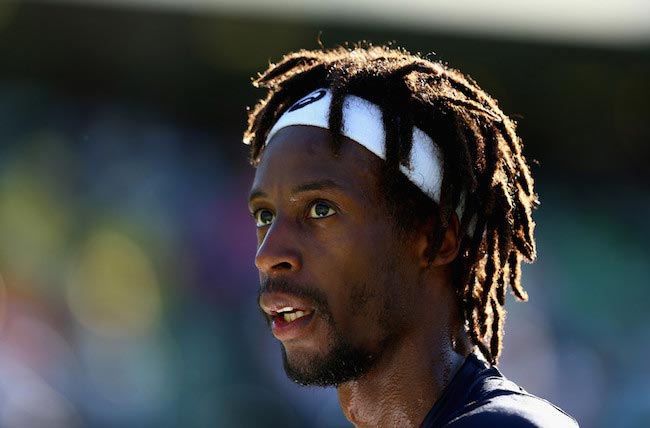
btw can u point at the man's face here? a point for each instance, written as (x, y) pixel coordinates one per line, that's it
(337, 280)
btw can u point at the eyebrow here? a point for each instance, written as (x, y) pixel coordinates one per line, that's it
(325, 184)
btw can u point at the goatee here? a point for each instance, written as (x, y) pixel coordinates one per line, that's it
(343, 361)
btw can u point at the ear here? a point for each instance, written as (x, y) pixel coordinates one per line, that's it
(449, 247)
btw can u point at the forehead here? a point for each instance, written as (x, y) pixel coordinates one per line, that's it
(301, 154)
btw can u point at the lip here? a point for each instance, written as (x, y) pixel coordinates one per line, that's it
(271, 303)
(285, 331)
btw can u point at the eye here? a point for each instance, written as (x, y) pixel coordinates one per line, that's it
(263, 217)
(321, 210)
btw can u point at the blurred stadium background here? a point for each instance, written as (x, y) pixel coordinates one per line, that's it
(125, 244)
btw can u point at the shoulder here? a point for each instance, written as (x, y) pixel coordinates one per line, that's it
(511, 409)
(480, 396)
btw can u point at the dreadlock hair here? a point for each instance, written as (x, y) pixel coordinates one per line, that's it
(485, 172)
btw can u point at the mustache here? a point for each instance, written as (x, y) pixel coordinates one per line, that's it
(300, 290)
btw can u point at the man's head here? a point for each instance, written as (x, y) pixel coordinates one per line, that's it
(353, 237)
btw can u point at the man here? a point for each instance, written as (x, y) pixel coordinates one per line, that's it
(393, 209)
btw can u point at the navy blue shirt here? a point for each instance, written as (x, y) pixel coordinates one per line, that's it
(479, 396)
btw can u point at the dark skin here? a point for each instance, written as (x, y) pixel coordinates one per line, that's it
(322, 221)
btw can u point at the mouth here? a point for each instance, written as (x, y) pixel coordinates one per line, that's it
(289, 314)
(291, 325)
(291, 318)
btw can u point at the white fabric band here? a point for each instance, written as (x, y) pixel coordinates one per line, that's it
(362, 122)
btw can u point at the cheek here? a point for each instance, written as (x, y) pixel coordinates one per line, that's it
(358, 269)
(369, 296)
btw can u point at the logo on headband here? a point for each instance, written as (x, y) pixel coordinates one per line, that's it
(311, 98)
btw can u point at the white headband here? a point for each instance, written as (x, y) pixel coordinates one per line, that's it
(362, 122)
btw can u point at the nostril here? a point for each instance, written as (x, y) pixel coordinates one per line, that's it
(282, 266)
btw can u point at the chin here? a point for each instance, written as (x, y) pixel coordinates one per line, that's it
(341, 363)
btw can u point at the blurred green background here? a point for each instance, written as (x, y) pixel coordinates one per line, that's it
(127, 250)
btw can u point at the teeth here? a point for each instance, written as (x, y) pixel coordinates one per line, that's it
(285, 309)
(294, 316)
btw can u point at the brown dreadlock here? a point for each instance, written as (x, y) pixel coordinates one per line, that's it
(485, 171)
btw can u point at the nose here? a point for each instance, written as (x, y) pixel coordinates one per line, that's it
(278, 252)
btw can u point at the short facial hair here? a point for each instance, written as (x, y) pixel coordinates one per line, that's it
(342, 363)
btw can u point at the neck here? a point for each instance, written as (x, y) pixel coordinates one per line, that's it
(403, 386)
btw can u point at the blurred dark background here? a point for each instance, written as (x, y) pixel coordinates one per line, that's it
(127, 250)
